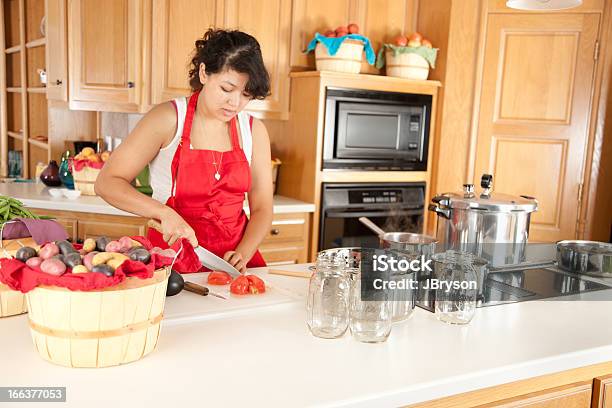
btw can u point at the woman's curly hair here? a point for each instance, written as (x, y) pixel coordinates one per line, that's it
(219, 50)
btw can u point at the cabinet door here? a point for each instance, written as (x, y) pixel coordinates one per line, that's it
(602, 392)
(269, 22)
(311, 16)
(178, 24)
(381, 20)
(56, 50)
(534, 113)
(105, 49)
(287, 240)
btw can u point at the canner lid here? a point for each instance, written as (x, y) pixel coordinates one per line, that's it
(486, 200)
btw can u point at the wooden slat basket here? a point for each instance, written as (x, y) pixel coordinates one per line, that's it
(347, 59)
(85, 179)
(408, 65)
(12, 302)
(109, 327)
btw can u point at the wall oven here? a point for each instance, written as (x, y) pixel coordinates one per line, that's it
(393, 206)
(376, 130)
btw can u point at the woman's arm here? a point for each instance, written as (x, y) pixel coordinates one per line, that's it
(260, 199)
(127, 161)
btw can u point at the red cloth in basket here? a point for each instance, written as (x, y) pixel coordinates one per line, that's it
(18, 276)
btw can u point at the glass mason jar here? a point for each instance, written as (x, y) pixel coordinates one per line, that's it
(456, 287)
(371, 320)
(327, 306)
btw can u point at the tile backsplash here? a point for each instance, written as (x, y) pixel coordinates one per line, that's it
(116, 126)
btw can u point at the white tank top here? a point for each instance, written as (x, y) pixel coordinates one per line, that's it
(161, 166)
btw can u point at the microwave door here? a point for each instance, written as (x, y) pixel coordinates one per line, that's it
(367, 134)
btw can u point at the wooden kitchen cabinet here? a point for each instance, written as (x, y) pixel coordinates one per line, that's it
(178, 24)
(287, 240)
(105, 54)
(56, 50)
(602, 392)
(569, 396)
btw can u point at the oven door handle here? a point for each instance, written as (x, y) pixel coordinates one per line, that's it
(346, 214)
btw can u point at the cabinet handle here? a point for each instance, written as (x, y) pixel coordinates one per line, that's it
(58, 82)
(275, 231)
(130, 84)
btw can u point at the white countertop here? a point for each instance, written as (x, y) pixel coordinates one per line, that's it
(257, 351)
(36, 195)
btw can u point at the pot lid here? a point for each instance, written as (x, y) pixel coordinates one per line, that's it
(486, 200)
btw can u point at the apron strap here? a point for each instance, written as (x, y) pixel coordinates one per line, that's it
(234, 134)
(185, 142)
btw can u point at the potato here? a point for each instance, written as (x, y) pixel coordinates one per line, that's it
(126, 244)
(105, 269)
(88, 259)
(48, 251)
(65, 247)
(89, 245)
(80, 269)
(73, 259)
(34, 262)
(60, 257)
(135, 243)
(104, 257)
(115, 262)
(101, 243)
(53, 267)
(140, 255)
(25, 253)
(113, 246)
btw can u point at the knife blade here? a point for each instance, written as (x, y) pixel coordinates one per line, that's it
(207, 258)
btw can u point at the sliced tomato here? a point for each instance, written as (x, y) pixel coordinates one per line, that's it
(256, 284)
(245, 285)
(240, 286)
(219, 278)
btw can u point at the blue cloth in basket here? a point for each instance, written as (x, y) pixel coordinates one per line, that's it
(333, 43)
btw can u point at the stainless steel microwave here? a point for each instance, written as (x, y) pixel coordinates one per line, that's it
(375, 130)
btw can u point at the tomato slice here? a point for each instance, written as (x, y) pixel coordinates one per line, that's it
(219, 278)
(257, 285)
(240, 286)
(245, 285)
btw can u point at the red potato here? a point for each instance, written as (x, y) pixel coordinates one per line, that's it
(353, 28)
(400, 41)
(88, 259)
(34, 262)
(113, 246)
(126, 243)
(48, 251)
(53, 267)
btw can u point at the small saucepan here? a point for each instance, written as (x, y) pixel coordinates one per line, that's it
(406, 241)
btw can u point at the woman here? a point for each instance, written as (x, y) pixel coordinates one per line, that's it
(205, 153)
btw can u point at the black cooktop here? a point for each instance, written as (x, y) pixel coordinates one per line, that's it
(534, 284)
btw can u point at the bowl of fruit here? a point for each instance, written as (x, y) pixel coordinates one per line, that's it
(408, 57)
(85, 169)
(341, 50)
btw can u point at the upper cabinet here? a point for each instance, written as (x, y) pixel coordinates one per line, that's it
(105, 54)
(178, 24)
(269, 21)
(56, 50)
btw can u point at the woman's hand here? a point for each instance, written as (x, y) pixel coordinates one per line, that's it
(175, 227)
(236, 259)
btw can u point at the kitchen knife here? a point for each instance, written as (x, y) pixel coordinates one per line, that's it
(207, 258)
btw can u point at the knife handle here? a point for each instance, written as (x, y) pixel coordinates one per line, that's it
(195, 288)
(155, 225)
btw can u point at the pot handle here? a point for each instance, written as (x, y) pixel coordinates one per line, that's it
(441, 212)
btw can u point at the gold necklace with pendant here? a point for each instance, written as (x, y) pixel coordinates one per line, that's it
(217, 173)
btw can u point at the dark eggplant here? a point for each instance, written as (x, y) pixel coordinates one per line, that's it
(105, 269)
(101, 243)
(73, 259)
(175, 284)
(25, 253)
(65, 247)
(139, 254)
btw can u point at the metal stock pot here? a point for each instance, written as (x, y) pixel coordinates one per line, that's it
(492, 226)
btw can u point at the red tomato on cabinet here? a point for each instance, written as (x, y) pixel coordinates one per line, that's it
(245, 285)
(219, 278)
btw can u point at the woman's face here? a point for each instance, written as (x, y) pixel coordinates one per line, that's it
(224, 94)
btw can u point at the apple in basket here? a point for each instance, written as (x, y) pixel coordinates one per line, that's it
(400, 41)
(415, 40)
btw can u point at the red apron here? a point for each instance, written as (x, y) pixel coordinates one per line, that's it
(213, 208)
